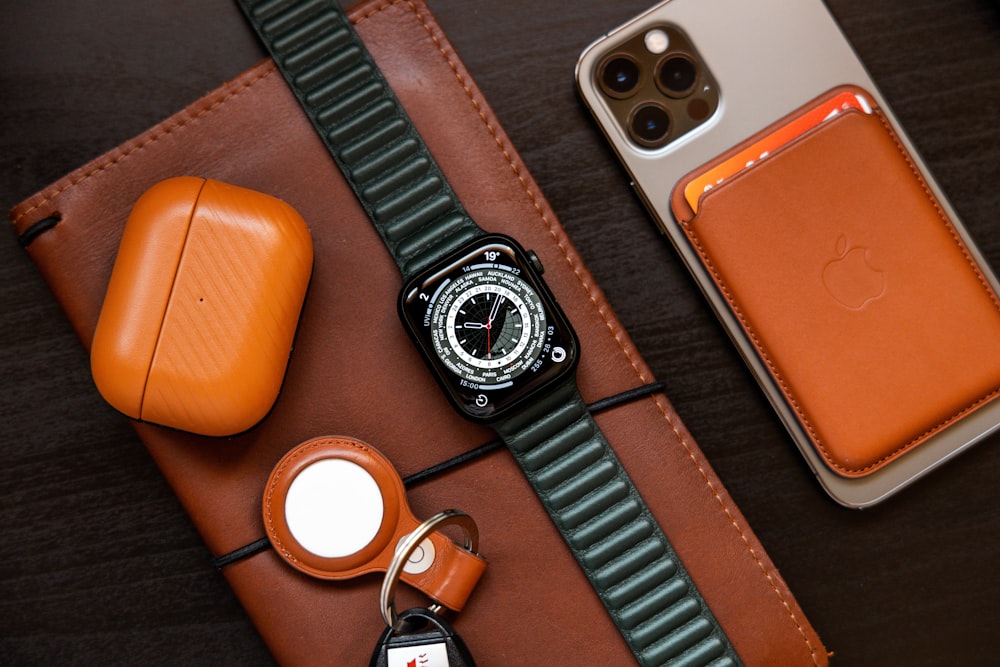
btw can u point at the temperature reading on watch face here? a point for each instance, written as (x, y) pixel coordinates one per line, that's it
(488, 326)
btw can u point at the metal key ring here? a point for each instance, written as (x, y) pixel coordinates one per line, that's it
(387, 596)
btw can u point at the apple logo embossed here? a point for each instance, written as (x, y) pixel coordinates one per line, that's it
(851, 279)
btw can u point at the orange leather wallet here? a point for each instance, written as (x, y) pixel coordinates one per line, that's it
(854, 287)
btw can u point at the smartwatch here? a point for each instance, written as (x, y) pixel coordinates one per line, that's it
(492, 333)
(489, 328)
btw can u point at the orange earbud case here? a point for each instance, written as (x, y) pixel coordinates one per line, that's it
(202, 306)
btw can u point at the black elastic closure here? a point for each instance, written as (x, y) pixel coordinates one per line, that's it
(263, 544)
(37, 229)
(482, 450)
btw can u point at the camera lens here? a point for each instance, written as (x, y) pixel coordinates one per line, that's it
(677, 75)
(620, 76)
(650, 124)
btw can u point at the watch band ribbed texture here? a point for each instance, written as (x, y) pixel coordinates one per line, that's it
(576, 475)
(612, 534)
(363, 125)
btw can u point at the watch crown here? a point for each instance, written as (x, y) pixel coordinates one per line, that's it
(536, 263)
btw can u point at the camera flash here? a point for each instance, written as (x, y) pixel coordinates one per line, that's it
(656, 41)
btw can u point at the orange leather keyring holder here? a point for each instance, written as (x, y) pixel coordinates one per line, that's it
(357, 537)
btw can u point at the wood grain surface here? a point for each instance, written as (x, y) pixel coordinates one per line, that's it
(98, 563)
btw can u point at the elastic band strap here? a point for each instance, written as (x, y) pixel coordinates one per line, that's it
(263, 544)
(37, 229)
(473, 454)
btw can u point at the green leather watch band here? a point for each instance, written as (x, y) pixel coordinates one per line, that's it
(365, 129)
(612, 534)
(577, 476)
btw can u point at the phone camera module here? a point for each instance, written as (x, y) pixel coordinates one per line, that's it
(677, 75)
(650, 125)
(619, 76)
(656, 86)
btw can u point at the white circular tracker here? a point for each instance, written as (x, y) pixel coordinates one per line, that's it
(334, 508)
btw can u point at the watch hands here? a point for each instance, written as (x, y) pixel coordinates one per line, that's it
(489, 332)
(489, 326)
(495, 309)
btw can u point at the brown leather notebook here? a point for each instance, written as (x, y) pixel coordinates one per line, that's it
(354, 372)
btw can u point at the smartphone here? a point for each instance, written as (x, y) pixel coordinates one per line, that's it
(747, 128)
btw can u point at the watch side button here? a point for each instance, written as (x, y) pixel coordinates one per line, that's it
(536, 263)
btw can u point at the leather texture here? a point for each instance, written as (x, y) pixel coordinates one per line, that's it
(866, 306)
(202, 306)
(353, 371)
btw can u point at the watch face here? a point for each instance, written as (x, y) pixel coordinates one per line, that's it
(488, 326)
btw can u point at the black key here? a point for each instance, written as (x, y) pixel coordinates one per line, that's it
(423, 639)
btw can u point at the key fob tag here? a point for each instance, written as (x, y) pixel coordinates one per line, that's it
(433, 643)
(335, 508)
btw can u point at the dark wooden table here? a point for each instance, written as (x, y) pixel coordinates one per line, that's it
(99, 565)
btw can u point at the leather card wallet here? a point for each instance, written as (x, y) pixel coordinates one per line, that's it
(345, 379)
(862, 300)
